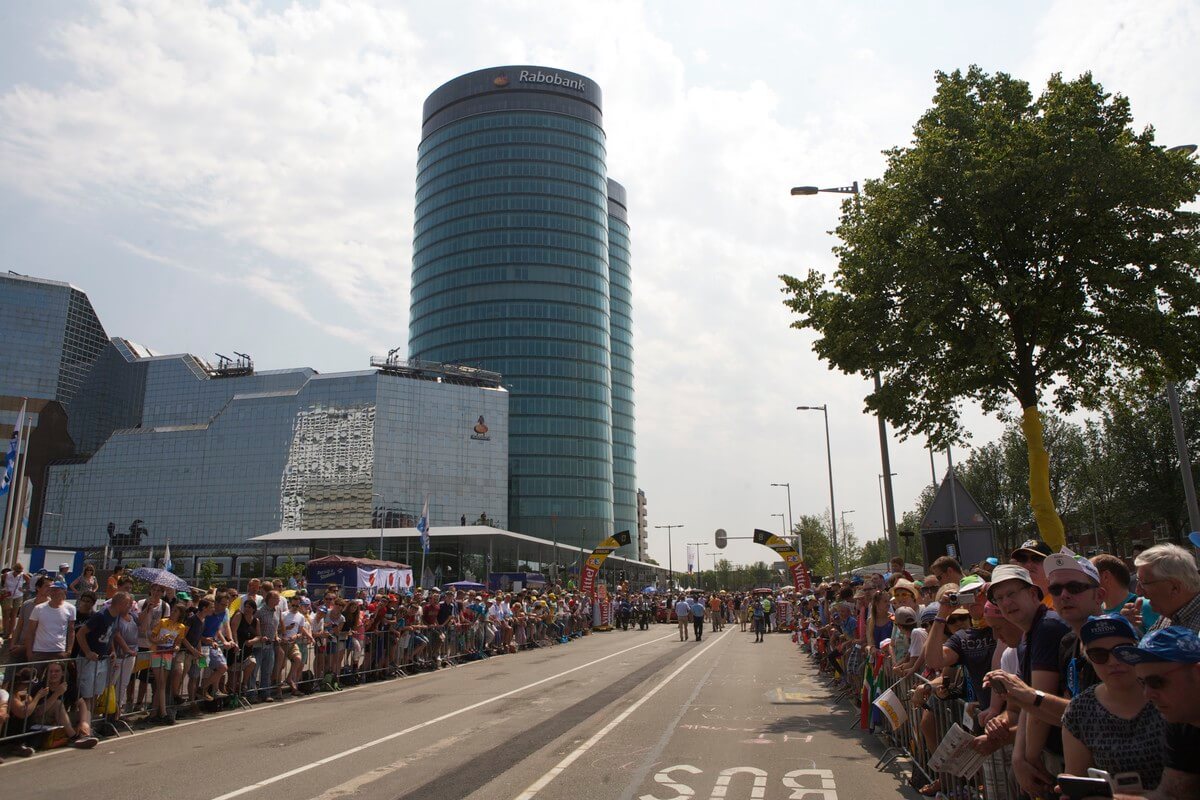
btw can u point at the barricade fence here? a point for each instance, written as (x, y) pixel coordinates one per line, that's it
(60, 700)
(930, 713)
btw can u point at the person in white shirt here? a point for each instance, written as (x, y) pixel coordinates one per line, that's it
(295, 630)
(683, 611)
(52, 625)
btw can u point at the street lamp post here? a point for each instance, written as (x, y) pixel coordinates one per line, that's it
(882, 514)
(824, 409)
(716, 583)
(670, 567)
(884, 456)
(791, 523)
(381, 515)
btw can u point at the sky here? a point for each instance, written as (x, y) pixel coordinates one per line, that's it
(240, 176)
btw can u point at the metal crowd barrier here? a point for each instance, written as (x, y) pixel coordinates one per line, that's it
(926, 725)
(264, 672)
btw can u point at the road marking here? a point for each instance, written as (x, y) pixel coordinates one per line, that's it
(558, 769)
(374, 742)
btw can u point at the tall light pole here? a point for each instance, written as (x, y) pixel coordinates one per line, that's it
(670, 568)
(824, 409)
(1185, 461)
(697, 545)
(884, 456)
(792, 524)
(782, 519)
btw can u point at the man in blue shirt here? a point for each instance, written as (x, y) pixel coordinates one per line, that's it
(697, 609)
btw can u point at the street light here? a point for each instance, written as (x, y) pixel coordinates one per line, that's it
(1185, 461)
(782, 519)
(381, 515)
(824, 409)
(670, 568)
(791, 524)
(884, 456)
(882, 515)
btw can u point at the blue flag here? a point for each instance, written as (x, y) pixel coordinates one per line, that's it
(10, 458)
(423, 526)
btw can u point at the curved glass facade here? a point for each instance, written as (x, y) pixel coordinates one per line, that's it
(511, 273)
(621, 310)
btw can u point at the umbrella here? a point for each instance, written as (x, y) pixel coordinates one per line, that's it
(649, 590)
(463, 585)
(160, 577)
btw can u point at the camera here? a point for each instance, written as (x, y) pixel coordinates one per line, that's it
(966, 598)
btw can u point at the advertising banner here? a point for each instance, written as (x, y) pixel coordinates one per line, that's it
(587, 581)
(791, 559)
(605, 607)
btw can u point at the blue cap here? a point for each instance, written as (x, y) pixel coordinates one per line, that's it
(59, 585)
(1168, 645)
(1194, 538)
(930, 613)
(995, 562)
(323, 609)
(1104, 626)
(856, 580)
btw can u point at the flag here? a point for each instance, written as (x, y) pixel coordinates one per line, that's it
(168, 565)
(423, 526)
(690, 560)
(10, 458)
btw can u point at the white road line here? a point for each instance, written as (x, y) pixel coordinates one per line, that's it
(558, 769)
(374, 742)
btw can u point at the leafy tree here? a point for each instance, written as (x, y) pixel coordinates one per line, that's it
(207, 574)
(1018, 248)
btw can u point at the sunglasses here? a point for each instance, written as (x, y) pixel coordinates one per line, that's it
(1028, 558)
(1074, 587)
(1099, 655)
(1158, 682)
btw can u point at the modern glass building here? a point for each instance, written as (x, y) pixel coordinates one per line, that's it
(52, 337)
(512, 273)
(212, 456)
(621, 324)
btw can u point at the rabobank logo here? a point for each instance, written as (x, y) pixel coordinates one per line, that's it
(500, 81)
(552, 79)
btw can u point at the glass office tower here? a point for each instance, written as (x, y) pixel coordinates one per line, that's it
(625, 508)
(511, 272)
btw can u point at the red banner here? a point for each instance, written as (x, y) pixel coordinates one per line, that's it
(801, 578)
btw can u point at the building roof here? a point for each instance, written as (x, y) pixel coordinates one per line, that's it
(291, 537)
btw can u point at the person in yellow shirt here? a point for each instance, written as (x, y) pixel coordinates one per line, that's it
(164, 637)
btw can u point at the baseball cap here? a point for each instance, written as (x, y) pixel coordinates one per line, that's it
(1194, 538)
(1100, 627)
(1175, 644)
(1066, 561)
(304, 601)
(59, 585)
(183, 596)
(1010, 572)
(904, 616)
(1033, 546)
(929, 614)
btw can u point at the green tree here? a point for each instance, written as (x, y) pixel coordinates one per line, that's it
(207, 574)
(1019, 248)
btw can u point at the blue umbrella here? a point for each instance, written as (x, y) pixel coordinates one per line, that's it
(160, 577)
(650, 590)
(463, 585)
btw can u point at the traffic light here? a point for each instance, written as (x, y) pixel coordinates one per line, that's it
(721, 538)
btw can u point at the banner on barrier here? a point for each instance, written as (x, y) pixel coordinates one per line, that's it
(800, 576)
(591, 567)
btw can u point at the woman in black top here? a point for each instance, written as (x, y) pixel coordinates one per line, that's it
(246, 635)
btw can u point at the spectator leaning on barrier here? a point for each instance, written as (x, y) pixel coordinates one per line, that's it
(1037, 753)
(96, 645)
(1167, 662)
(1111, 725)
(1168, 578)
(1078, 596)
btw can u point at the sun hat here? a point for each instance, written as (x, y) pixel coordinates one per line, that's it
(1010, 572)
(904, 585)
(1175, 644)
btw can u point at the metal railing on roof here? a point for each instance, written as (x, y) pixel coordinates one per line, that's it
(393, 364)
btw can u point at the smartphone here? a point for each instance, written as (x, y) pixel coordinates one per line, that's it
(1077, 788)
(1122, 782)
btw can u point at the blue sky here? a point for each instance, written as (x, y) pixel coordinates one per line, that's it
(240, 176)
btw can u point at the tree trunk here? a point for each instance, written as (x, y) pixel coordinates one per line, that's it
(1049, 524)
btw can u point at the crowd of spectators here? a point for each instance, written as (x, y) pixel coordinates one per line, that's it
(1063, 664)
(78, 670)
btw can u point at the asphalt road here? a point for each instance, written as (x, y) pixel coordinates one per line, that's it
(617, 715)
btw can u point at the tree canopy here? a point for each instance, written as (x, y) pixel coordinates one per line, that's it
(1019, 247)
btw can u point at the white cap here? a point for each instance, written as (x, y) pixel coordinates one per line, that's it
(1065, 561)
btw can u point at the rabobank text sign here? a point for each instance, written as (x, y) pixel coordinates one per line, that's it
(551, 79)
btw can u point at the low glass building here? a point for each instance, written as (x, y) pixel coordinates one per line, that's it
(212, 456)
